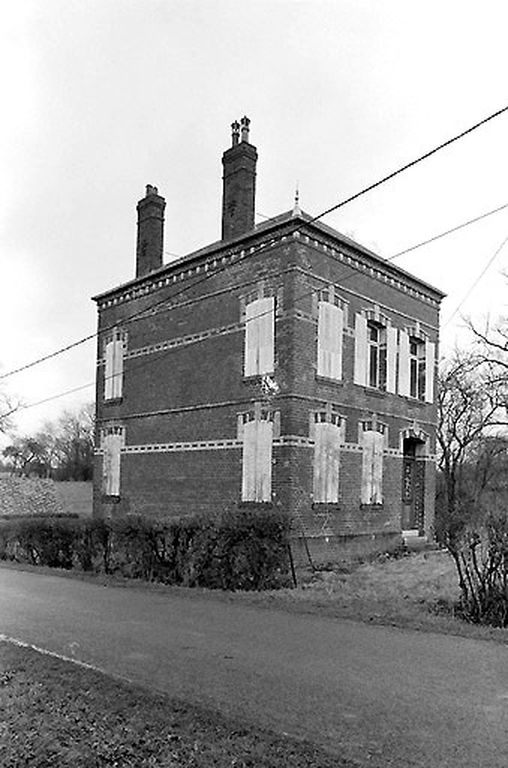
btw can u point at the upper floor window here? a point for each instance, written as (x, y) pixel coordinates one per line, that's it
(113, 369)
(329, 346)
(416, 366)
(259, 337)
(375, 361)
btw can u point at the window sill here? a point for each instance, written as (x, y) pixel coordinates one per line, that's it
(254, 377)
(109, 499)
(113, 401)
(374, 507)
(255, 504)
(375, 392)
(326, 506)
(329, 380)
(415, 400)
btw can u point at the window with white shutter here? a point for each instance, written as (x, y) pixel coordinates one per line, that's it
(430, 362)
(373, 439)
(375, 362)
(416, 365)
(328, 435)
(257, 439)
(259, 337)
(330, 330)
(112, 442)
(113, 369)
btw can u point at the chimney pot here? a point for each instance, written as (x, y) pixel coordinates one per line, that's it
(235, 130)
(245, 128)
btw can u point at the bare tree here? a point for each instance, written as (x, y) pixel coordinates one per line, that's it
(470, 517)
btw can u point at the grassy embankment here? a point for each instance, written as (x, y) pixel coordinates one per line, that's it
(58, 715)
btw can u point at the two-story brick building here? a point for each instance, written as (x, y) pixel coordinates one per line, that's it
(283, 365)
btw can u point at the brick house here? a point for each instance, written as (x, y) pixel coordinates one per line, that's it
(284, 365)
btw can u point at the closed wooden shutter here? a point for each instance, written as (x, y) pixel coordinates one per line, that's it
(319, 464)
(264, 460)
(257, 461)
(332, 455)
(251, 340)
(377, 468)
(367, 465)
(117, 380)
(259, 337)
(327, 439)
(266, 320)
(360, 364)
(109, 370)
(111, 464)
(391, 359)
(249, 462)
(430, 355)
(330, 330)
(403, 364)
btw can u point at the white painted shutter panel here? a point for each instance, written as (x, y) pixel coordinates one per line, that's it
(266, 320)
(430, 355)
(323, 334)
(403, 363)
(377, 468)
(249, 462)
(251, 339)
(391, 359)
(332, 442)
(330, 330)
(117, 368)
(111, 465)
(367, 464)
(319, 463)
(337, 329)
(360, 369)
(108, 370)
(264, 460)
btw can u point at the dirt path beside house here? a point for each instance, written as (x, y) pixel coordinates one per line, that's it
(394, 698)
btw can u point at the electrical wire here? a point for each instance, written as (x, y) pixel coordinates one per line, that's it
(335, 207)
(449, 231)
(476, 281)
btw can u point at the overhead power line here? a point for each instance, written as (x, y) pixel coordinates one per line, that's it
(414, 162)
(335, 207)
(449, 231)
(477, 280)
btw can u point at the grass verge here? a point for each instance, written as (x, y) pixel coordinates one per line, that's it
(58, 714)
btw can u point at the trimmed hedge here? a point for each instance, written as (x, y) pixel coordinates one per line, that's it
(247, 549)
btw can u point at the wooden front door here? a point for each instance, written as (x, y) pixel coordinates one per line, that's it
(412, 487)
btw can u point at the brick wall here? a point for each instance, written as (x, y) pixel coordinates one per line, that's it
(192, 388)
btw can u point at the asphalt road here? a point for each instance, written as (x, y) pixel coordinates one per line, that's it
(377, 695)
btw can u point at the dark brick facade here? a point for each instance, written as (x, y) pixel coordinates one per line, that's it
(184, 383)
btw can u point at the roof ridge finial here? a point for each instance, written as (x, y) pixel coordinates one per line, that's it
(297, 211)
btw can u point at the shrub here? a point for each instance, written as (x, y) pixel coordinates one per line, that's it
(245, 549)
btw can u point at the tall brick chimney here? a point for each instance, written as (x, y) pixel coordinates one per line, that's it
(239, 183)
(150, 231)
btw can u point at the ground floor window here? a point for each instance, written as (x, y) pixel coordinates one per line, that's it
(373, 440)
(257, 440)
(112, 442)
(328, 435)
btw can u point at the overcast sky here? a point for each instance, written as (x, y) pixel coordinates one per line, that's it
(102, 97)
